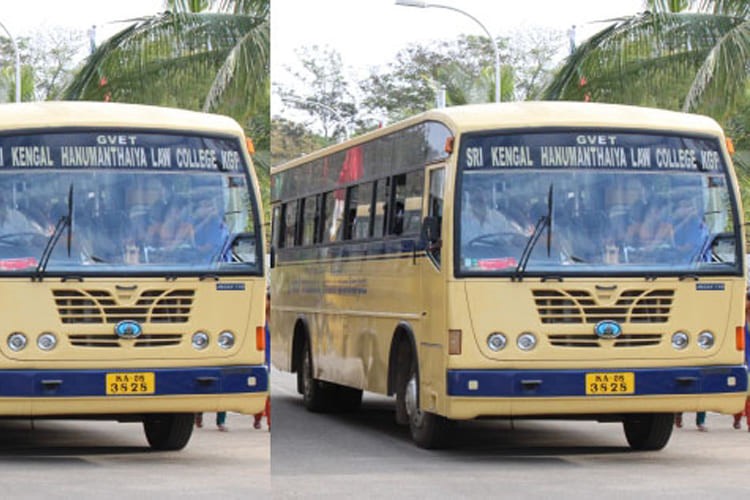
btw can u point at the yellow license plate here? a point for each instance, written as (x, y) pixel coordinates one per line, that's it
(125, 384)
(604, 384)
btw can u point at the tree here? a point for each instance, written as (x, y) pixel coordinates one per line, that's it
(690, 55)
(202, 55)
(326, 97)
(465, 69)
(48, 62)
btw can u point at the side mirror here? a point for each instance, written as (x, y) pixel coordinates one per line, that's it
(243, 248)
(724, 247)
(272, 258)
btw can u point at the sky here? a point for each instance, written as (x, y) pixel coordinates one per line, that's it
(23, 17)
(369, 33)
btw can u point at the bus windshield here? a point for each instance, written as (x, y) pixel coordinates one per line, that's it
(153, 203)
(602, 202)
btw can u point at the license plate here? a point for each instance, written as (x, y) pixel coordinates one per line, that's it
(603, 384)
(125, 384)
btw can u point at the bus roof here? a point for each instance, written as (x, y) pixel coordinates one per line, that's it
(50, 114)
(536, 114)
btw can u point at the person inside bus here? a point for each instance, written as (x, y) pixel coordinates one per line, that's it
(480, 216)
(210, 232)
(690, 232)
(174, 230)
(653, 229)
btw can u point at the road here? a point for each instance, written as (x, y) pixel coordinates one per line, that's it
(91, 459)
(366, 455)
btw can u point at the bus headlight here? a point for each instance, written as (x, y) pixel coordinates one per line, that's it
(46, 341)
(496, 341)
(679, 340)
(705, 339)
(226, 340)
(200, 340)
(526, 341)
(17, 341)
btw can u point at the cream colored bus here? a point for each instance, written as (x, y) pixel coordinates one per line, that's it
(131, 269)
(521, 260)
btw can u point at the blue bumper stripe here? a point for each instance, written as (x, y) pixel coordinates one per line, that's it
(169, 381)
(561, 383)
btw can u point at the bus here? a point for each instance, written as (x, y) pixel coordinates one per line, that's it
(515, 260)
(131, 267)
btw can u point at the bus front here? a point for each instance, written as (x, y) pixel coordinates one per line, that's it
(131, 277)
(600, 274)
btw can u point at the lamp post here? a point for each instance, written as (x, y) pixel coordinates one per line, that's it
(18, 62)
(423, 5)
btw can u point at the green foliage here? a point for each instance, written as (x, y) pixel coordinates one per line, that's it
(465, 68)
(47, 63)
(291, 140)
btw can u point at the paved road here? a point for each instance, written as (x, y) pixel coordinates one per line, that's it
(82, 460)
(366, 455)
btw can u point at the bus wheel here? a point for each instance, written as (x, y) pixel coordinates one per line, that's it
(317, 396)
(428, 430)
(168, 432)
(649, 431)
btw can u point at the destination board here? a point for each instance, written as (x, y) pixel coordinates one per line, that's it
(119, 150)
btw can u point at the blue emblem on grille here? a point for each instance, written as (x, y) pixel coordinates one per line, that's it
(128, 329)
(608, 329)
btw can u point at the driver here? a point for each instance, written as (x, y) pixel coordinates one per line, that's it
(480, 217)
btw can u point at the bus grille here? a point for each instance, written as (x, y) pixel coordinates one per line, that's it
(580, 306)
(100, 306)
(111, 340)
(591, 340)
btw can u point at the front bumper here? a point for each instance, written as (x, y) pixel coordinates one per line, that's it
(78, 392)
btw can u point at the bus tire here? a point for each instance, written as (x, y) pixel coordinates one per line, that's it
(428, 430)
(168, 432)
(648, 431)
(317, 396)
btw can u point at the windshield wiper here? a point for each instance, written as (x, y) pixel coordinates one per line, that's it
(65, 221)
(544, 221)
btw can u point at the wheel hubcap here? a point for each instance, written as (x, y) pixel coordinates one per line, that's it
(307, 375)
(411, 401)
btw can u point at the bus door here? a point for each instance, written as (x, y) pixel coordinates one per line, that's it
(433, 339)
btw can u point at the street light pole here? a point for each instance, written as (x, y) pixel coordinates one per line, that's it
(423, 5)
(18, 62)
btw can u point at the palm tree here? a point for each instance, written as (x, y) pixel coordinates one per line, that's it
(202, 54)
(690, 55)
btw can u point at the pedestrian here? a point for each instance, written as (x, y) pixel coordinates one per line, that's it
(221, 419)
(738, 416)
(258, 417)
(700, 421)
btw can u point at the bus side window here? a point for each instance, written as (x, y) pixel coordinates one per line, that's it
(435, 206)
(290, 224)
(363, 212)
(276, 227)
(309, 209)
(407, 202)
(334, 213)
(381, 201)
(350, 211)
